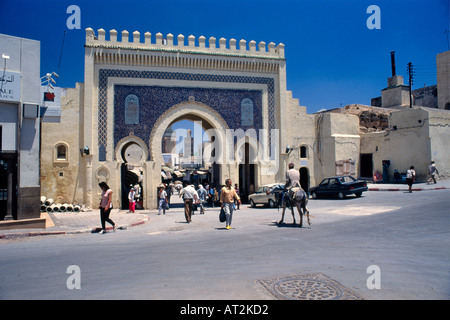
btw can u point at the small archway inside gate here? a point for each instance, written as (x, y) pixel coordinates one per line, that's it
(132, 157)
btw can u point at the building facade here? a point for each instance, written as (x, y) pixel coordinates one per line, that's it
(19, 128)
(113, 127)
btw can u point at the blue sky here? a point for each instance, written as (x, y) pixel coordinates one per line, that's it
(333, 59)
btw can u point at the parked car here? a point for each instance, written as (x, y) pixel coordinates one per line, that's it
(339, 186)
(264, 196)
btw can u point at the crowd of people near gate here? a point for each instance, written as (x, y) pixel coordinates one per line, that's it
(227, 196)
(208, 195)
(200, 197)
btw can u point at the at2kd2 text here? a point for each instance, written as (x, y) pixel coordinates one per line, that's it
(234, 309)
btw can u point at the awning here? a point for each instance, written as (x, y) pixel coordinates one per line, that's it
(164, 175)
(167, 169)
(200, 173)
(178, 174)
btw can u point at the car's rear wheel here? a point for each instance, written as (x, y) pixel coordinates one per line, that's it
(271, 203)
(341, 195)
(252, 203)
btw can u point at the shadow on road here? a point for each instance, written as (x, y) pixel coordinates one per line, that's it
(288, 225)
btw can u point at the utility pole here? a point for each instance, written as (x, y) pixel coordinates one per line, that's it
(411, 76)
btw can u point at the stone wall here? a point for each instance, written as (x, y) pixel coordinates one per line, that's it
(414, 138)
(62, 178)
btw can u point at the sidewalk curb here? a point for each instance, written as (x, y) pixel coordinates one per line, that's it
(80, 231)
(404, 189)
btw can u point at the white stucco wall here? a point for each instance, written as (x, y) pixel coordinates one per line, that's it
(24, 58)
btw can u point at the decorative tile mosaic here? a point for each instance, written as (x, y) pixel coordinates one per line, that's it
(155, 100)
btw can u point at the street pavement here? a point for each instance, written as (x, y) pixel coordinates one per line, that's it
(60, 223)
(440, 184)
(163, 257)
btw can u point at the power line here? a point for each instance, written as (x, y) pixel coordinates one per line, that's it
(60, 55)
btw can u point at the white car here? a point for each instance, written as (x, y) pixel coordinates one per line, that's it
(264, 196)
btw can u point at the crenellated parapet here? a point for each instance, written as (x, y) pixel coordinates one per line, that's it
(189, 45)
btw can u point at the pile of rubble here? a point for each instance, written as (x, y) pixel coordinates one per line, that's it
(371, 119)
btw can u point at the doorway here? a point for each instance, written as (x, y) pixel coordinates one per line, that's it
(246, 171)
(366, 165)
(132, 174)
(304, 179)
(8, 183)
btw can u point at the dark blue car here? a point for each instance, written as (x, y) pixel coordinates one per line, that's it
(339, 186)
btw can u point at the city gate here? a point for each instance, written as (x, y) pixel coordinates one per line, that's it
(135, 90)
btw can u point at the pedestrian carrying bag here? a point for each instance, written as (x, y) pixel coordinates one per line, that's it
(222, 217)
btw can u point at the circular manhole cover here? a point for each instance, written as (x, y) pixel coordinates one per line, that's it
(308, 287)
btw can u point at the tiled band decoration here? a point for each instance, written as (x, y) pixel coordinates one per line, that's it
(153, 101)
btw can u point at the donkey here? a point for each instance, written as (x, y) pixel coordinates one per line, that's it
(294, 197)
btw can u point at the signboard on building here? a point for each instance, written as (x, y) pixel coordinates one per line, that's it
(51, 100)
(10, 86)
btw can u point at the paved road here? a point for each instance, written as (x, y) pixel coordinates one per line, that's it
(406, 235)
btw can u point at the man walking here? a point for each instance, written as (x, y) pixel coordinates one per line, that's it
(202, 194)
(410, 178)
(189, 196)
(162, 199)
(432, 171)
(227, 196)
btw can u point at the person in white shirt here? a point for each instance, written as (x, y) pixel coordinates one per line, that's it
(162, 200)
(410, 177)
(132, 200)
(432, 171)
(189, 196)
